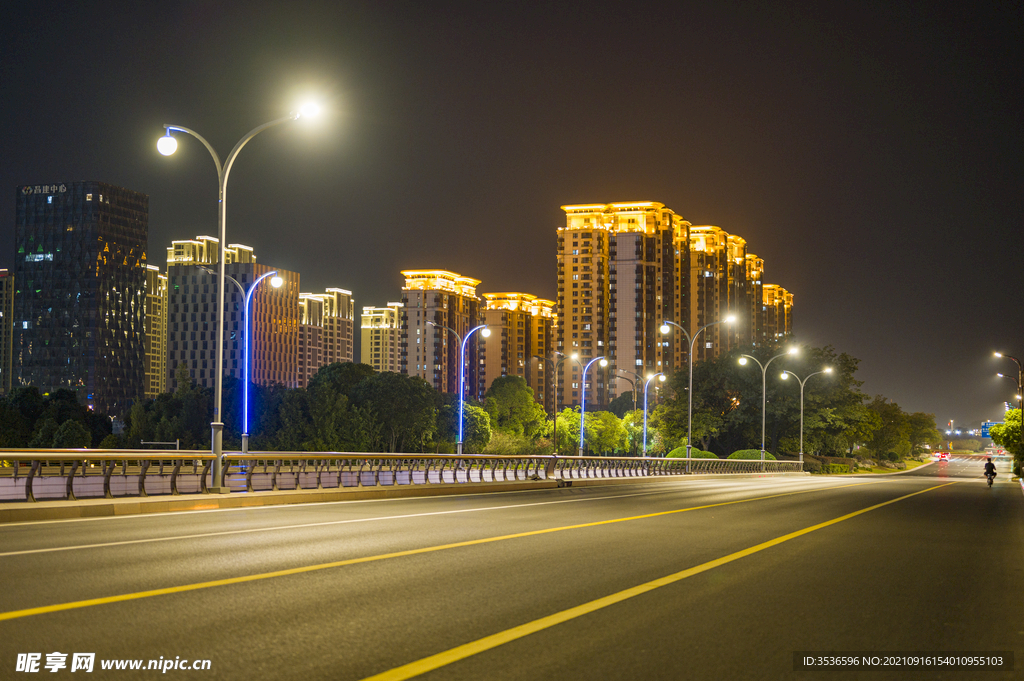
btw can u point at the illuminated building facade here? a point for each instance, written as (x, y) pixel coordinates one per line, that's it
(622, 269)
(380, 338)
(778, 313)
(6, 330)
(755, 299)
(156, 332)
(80, 275)
(521, 327)
(326, 334)
(192, 316)
(431, 352)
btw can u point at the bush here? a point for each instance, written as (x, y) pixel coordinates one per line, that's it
(71, 435)
(751, 454)
(830, 468)
(811, 465)
(680, 453)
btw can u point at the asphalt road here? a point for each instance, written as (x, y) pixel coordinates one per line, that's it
(704, 579)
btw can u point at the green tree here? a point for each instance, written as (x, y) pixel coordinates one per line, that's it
(397, 412)
(921, 431)
(1008, 436)
(892, 439)
(71, 435)
(42, 436)
(623, 404)
(604, 433)
(512, 408)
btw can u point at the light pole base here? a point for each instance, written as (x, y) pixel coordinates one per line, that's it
(217, 466)
(245, 443)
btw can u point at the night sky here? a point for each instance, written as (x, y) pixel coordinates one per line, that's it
(871, 153)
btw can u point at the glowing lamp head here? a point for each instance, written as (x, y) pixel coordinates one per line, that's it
(793, 351)
(1000, 375)
(661, 378)
(167, 145)
(784, 376)
(309, 110)
(603, 362)
(276, 281)
(663, 328)
(999, 354)
(743, 360)
(485, 333)
(731, 319)
(828, 370)
(574, 355)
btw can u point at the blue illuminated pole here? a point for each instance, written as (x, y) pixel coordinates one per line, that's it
(583, 401)
(462, 369)
(649, 379)
(247, 297)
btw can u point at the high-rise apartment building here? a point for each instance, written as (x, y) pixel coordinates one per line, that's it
(192, 282)
(755, 298)
(156, 332)
(778, 313)
(521, 327)
(432, 351)
(623, 268)
(326, 333)
(6, 330)
(380, 341)
(80, 275)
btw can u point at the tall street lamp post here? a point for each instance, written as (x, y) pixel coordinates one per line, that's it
(276, 282)
(1020, 390)
(583, 400)
(485, 332)
(649, 379)
(785, 375)
(167, 145)
(664, 329)
(554, 406)
(631, 382)
(764, 370)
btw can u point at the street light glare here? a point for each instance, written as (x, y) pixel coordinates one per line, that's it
(743, 360)
(276, 281)
(662, 378)
(793, 351)
(309, 109)
(603, 362)
(730, 319)
(485, 333)
(784, 376)
(167, 145)
(663, 328)
(574, 355)
(828, 370)
(999, 354)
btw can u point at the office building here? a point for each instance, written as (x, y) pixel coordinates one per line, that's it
(6, 330)
(623, 268)
(192, 280)
(380, 340)
(521, 328)
(432, 352)
(156, 332)
(79, 304)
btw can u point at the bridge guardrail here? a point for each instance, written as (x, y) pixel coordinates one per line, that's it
(70, 474)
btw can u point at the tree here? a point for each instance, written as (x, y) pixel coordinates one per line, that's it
(921, 430)
(511, 406)
(1008, 436)
(396, 412)
(71, 435)
(604, 432)
(623, 404)
(891, 440)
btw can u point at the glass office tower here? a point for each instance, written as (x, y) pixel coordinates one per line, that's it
(79, 304)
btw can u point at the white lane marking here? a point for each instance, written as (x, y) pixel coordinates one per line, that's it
(204, 535)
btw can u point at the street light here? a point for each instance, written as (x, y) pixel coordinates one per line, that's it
(785, 375)
(664, 329)
(631, 382)
(554, 397)
(649, 379)
(167, 145)
(485, 332)
(764, 370)
(276, 282)
(583, 385)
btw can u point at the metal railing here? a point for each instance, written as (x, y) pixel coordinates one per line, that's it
(69, 474)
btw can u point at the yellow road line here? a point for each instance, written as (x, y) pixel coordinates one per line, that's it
(59, 607)
(447, 657)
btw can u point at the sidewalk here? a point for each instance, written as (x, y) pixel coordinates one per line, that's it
(20, 511)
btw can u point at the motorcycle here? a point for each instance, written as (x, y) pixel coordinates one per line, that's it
(991, 477)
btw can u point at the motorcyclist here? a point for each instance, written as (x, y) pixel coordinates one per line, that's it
(990, 468)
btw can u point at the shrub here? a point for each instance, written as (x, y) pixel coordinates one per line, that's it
(751, 454)
(834, 468)
(680, 453)
(811, 465)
